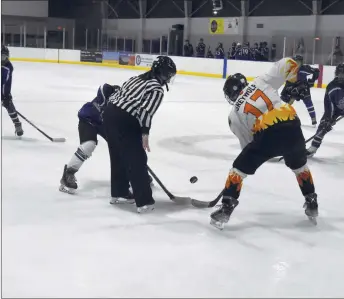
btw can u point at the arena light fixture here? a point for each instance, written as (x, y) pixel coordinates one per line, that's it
(217, 6)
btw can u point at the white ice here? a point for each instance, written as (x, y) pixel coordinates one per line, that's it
(58, 245)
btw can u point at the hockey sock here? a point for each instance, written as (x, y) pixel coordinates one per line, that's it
(305, 180)
(83, 152)
(234, 183)
(310, 107)
(12, 112)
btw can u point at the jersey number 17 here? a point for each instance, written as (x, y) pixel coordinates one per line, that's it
(250, 109)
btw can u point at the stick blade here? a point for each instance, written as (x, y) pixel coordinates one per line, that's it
(182, 200)
(59, 139)
(200, 204)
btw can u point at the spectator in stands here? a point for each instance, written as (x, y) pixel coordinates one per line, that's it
(337, 56)
(300, 50)
(200, 49)
(273, 52)
(209, 53)
(264, 51)
(188, 49)
(231, 51)
(255, 52)
(237, 49)
(219, 51)
(244, 53)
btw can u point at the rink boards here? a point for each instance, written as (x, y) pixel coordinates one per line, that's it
(204, 67)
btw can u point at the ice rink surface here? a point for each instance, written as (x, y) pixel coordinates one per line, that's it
(58, 245)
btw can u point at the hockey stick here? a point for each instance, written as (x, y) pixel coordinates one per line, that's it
(39, 130)
(310, 138)
(176, 199)
(207, 204)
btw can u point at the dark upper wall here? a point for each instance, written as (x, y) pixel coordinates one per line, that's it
(280, 7)
(129, 9)
(335, 9)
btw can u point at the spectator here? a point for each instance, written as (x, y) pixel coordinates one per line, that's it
(264, 51)
(200, 49)
(256, 52)
(231, 52)
(188, 49)
(209, 53)
(337, 56)
(219, 51)
(273, 52)
(300, 50)
(244, 53)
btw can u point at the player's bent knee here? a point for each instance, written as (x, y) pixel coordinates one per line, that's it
(296, 161)
(301, 169)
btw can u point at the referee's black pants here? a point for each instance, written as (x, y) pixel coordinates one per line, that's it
(127, 156)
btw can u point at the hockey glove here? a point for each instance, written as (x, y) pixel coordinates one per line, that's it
(310, 83)
(326, 126)
(5, 101)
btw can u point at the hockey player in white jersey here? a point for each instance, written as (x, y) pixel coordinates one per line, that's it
(266, 127)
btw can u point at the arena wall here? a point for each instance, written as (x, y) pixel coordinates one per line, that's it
(205, 67)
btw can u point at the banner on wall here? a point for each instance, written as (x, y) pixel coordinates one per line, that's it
(126, 59)
(144, 59)
(91, 56)
(224, 26)
(111, 57)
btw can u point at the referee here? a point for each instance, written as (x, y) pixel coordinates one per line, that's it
(127, 121)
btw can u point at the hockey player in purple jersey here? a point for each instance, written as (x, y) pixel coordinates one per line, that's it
(6, 86)
(304, 72)
(90, 125)
(334, 108)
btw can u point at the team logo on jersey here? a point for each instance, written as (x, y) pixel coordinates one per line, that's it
(276, 115)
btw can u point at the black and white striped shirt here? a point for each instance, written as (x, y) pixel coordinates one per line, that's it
(140, 98)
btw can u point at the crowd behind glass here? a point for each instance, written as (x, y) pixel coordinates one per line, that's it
(256, 52)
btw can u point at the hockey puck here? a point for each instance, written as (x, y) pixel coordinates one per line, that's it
(193, 179)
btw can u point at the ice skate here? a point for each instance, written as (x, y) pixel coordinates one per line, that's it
(146, 209)
(18, 129)
(222, 215)
(311, 207)
(311, 151)
(314, 122)
(68, 181)
(128, 199)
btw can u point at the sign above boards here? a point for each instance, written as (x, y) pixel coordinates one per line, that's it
(144, 59)
(91, 56)
(229, 26)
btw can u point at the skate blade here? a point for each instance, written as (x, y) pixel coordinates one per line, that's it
(67, 190)
(313, 220)
(218, 224)
(146, 210)
(122, 201)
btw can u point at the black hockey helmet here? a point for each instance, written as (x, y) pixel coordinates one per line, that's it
(339, 73)
(5, 53)
(233, 86)
(163, 69)
(299, 59)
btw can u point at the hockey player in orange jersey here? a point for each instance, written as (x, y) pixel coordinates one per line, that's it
(266, 127)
